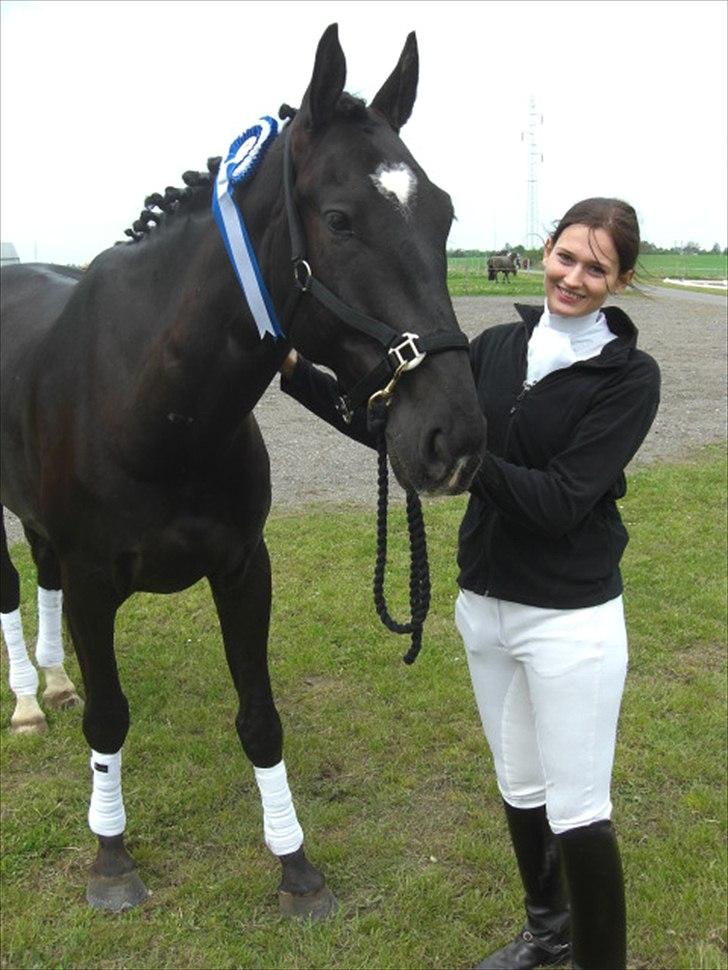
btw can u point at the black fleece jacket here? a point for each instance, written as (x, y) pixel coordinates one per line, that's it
(542, 525)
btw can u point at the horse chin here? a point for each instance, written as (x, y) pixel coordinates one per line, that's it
(434, 482)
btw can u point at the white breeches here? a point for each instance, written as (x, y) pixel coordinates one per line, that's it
(548, 684)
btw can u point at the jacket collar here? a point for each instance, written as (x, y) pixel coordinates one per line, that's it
(614, 353)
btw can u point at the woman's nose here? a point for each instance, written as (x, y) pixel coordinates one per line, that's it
(573, 277)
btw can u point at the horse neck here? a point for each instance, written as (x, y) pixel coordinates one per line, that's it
(208, 331)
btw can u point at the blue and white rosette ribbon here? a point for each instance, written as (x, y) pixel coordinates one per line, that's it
(245, 154)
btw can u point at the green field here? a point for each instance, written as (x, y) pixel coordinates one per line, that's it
(468, 276)
(387, 763)
(701, 267)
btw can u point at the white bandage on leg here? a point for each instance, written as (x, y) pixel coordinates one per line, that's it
(23, 675)
(282, 832)
(49, 646)
(106, 815)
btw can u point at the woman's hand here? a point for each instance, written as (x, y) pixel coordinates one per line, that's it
(289, 364)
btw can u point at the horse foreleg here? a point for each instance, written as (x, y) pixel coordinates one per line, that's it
(27, 718)
(114, 883)
(59, 691)
(243, 606)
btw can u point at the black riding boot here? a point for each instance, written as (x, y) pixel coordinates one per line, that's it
(593, 872)
(544, 940)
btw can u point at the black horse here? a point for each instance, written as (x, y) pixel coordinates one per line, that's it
(505, 263)
(130, 450)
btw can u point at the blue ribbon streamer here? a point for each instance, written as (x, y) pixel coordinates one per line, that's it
(244, 156)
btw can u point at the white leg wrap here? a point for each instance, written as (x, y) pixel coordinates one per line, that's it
(282, 832)
(106, 815)
(49, 647)
(23, 675)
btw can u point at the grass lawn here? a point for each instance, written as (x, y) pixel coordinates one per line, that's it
(387, 763)
(468, 276)
(703, 266)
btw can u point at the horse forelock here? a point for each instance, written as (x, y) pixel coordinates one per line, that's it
(351, 107)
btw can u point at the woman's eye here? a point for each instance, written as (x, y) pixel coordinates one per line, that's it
(338, 223)
(565, 258)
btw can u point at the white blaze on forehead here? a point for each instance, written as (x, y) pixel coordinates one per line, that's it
(396, 182)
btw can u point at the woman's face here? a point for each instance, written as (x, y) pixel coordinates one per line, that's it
(580, 270)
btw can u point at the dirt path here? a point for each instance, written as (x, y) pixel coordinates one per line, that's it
(685, 332)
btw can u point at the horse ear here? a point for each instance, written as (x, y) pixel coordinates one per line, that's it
(397, 95)
(327, 83)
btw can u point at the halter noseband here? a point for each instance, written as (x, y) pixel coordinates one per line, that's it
(403, 351)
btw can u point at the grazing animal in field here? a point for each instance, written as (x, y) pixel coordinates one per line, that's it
(505, 264)
(130, 450)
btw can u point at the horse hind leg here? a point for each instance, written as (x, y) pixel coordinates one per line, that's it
(59, 691)
(243, 607)
(27, 718)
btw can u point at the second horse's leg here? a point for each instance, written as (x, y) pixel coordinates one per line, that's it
(243, 606)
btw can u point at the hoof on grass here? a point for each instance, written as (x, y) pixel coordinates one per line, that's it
(316, 906)
(61, 700)
(35, 725)
(116, 893)
(27, 717)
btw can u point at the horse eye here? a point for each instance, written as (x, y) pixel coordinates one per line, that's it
(338, 223)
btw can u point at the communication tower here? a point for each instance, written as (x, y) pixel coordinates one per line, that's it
(534, 159)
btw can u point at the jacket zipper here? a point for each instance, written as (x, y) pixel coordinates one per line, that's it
(524, 390)
(527, 385)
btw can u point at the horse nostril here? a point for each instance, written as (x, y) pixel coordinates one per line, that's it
(436, 450)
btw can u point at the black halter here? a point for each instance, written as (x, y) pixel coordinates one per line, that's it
(402, 352)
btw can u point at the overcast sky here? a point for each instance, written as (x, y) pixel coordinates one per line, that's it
(106, 102)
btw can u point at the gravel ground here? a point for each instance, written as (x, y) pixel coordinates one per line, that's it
(685, 332)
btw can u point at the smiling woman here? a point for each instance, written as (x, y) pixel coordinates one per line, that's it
(568, 399)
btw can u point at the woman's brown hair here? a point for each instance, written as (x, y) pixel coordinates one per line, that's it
(618, 218)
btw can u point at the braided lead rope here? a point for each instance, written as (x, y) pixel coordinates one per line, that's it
(419, 569)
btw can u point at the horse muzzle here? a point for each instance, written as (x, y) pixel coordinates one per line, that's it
(439, 459)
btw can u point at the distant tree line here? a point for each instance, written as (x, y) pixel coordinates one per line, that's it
(684, 249)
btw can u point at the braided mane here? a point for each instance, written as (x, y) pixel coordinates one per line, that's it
(157, 205)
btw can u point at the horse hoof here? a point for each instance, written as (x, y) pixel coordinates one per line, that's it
(316, 906)
(116, 893)
(35, 725)
(61, 700)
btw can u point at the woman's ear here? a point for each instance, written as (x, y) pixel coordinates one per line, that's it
(623, 281)
(548, 248)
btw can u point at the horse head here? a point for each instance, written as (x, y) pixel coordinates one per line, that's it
(376, 229)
